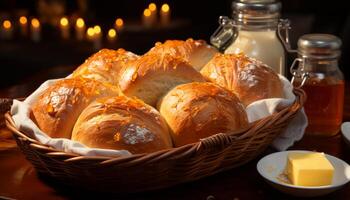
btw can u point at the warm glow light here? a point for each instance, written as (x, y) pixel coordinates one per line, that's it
(165, 8)
(7, 24)
(64, 21)
(147, 12)
(80, 23)
(90, 32)
(23, 20)
(35, 23)
(152, 7)
(97, 29)
(112, 33)
(119, 22)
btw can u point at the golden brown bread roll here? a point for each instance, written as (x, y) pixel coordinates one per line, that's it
(249, 79)
(122, 123)
(60, 105)
(198, 110)
(151, 76)
(196, 52)
(105, 65)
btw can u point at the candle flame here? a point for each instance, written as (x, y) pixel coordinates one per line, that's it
(90, 32)
(119, 22)
(147, 12)
(80, 23)
(165, 8)
(64, 21)
(112, 33)
(97, 29)
(35, 23)
(152, 7)
(23, 20)
(7, 24)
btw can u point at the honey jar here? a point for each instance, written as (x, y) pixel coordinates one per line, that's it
(324, 85)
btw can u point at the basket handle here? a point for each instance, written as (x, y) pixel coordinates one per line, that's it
(5, 106)
(6, 103)
(220, 140)
(214, 142)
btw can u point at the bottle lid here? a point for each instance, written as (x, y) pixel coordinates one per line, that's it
(256, 13)
(320, 46)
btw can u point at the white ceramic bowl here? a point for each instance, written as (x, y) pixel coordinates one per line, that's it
(345, 130)
(271, 167)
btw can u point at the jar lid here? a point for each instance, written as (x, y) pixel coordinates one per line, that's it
(256, 12)
(319, 46)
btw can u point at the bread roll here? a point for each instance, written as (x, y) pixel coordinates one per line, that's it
(59, 106)
(198, 110)
(105, 65)
(152, 76)
(249, 79)
(196, 52)
(122, 123)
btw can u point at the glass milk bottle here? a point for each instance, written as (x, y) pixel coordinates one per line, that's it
(255, 30)
(324, 85)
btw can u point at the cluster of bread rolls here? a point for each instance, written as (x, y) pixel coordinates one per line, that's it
(176, 94)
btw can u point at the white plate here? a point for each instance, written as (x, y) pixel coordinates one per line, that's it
(345, 130)
(272, 166)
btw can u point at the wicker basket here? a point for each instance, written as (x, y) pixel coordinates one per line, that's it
(160, 169)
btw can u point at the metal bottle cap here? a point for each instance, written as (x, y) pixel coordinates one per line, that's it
(319, 46)
(256, 12)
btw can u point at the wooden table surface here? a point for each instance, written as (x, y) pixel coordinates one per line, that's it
(18, 179)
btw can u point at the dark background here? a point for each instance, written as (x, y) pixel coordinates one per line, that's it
(22, 59)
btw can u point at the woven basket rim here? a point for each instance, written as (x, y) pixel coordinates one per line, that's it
(203, 144)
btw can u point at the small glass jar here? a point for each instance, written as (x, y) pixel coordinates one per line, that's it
(255, 30)
(318, 60)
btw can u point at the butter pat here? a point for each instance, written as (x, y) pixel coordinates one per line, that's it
(309, 169)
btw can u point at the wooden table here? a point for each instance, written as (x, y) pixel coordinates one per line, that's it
(19, 180)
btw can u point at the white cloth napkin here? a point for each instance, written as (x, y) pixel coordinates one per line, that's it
(295, 129)
(20, 112)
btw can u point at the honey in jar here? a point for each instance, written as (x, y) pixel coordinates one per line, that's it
(324, 106)
(319, 55)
